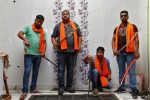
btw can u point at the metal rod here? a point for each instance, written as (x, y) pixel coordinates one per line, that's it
(72, 32)
(130, 65)
(51, 62)
(129, 41)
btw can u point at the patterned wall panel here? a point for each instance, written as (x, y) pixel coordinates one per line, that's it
(81, 69)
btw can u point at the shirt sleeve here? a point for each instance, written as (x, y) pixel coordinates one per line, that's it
(25, 30)
(115, 30)
(135, 28)
(55, 31)
(78, 30)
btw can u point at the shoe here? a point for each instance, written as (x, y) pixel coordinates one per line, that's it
(100, 89)
(95, 92)
(120, 90)
(145, 95)
(35, 91)
(23, 96)
(70, 90)
(135, 93)
(60, 91)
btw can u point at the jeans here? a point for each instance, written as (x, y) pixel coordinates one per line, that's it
(31, 62)
(95, 78)
(68, 59)
(124, 58)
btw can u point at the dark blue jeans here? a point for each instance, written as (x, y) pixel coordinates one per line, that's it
(124, 59)
(95, 78)
(67, 59)
(31, 62)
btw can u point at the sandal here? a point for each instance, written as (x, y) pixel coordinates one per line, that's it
(23, 96)
(95, 92)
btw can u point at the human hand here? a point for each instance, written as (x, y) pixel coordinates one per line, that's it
(42, 55)
(55, 44)
(115, 52)
(109, 77)
(27, 43)
(137, 55)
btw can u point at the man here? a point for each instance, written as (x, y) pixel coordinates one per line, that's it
(100, 72)
(66, 38)
(35, 45)
(125, 45)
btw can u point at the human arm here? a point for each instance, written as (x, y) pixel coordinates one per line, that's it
(88, 59)
(108, 63)
(54, 36)
(136, 39)
(115, 52)
(22, 37)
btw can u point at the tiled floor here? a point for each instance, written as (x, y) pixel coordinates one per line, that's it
(123, 96)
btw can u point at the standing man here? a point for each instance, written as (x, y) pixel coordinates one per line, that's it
(66, 38)
(100, 71)
(128, 50)
(35, 46)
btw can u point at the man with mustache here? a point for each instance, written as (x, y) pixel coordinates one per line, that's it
(66, 39)
(100, 71)
(35, 46)
(126, 50)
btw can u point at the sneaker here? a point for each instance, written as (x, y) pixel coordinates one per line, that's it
(120, 90)
(95, 92)
(135, 93)
(60, 91)
(70, 90)
(23, 96)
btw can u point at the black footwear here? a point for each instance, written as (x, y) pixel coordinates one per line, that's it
(100, 89)
(70, 90)
(135, 93)
(120, 90)
(95, 92)
(60, 91)
(145, 95)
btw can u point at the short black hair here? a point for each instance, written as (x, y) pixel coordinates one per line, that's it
(66, 11)
(41, 17)
(124, 11)
(100, 48)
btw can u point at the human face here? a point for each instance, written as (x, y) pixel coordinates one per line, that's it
(100, 54)
(38, 23)
(124, 17)
(65, 16)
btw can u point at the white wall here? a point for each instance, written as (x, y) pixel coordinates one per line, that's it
(148, 35)
(103, 18)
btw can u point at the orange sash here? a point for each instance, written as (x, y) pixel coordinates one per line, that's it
(63, 43)
(103, 71)
(41, 31)
(129, 35)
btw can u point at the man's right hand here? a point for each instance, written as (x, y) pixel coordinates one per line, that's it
(27, 43)
(115, 52)
(55, 45)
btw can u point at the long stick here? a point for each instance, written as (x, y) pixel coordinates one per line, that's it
(72, 32)
(129, 41)
(50, 61)
(126, 72)
(89, 81)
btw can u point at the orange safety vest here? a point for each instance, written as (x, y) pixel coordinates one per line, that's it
(63, 44)
(103, 71)
(129, 35)
(42, 43)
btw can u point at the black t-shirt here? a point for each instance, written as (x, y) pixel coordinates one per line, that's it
(122, 35)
